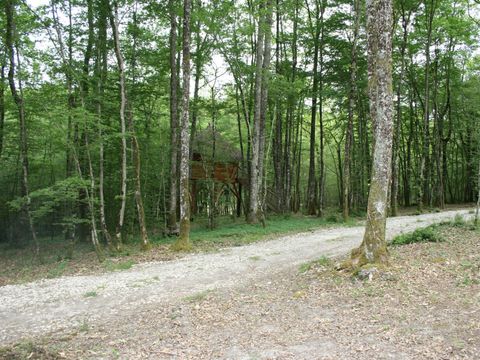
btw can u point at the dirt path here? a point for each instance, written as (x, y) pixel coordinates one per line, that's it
(65, 303)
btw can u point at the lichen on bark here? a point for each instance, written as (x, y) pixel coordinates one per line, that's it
(379, 23)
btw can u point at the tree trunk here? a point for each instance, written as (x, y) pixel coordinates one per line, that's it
(183, 241)
(123, 108)
(264, 102)
(321, 161)
(290, 118)
(10, 40)
(379, 37)
(2, 105)
(311, 192)
(89, 194)
(137, 163)
(213, 197)
(258, 141)
(101, 69)
(172, 206)
(423, 187)
(477, 210)
(398, 124)
(351, 105)
(278, 163)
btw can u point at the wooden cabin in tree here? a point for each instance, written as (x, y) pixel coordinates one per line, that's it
(215, 162)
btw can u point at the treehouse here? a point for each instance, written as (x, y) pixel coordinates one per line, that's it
(215, 171)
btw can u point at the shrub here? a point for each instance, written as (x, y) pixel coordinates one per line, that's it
(334, 218)
(428, 234)
(458, 221)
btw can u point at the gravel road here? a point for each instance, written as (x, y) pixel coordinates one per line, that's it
(45, 306)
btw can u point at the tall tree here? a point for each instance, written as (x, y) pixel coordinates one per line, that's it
(172, 209)
(2, 102)
(312, 180)
(183, 241)
(379, 37)
(477, 208)
(424, 177)
(123, 127)
(262, 60)
(137, 162)
(17, 94)
(405, 16)
(101, 69)
(351, 105)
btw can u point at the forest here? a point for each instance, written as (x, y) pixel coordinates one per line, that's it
(134, 119)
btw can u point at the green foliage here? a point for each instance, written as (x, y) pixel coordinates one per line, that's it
(428, 234)
(54, 199)
(458, 221)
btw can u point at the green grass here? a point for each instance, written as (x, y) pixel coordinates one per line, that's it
(428, 234)
(240, 233)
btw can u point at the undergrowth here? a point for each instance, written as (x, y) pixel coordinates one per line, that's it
(432, 232)
(428, 234)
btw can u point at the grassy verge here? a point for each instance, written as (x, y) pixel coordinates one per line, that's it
(433, 233)
(17, 264)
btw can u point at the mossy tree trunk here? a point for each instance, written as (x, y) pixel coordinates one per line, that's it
(379, 24)
(183, 241)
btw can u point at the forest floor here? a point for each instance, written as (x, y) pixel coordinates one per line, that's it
(264, 300)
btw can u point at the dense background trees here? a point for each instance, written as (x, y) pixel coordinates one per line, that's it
(93, 109)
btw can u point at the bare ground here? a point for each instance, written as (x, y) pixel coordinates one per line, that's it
(251, 302)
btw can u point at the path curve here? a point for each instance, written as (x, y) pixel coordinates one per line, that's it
(50, 305)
